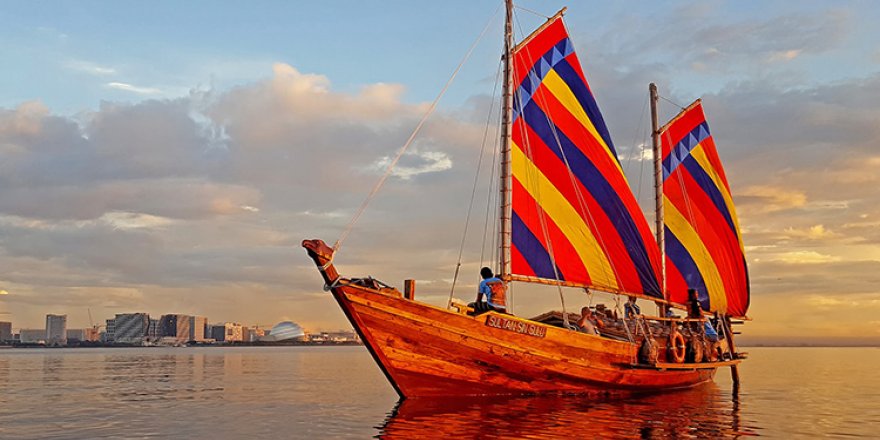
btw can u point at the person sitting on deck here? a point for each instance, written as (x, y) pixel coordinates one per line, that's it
(711, 334)
(585, 323)
(494, 290)
(631, 310)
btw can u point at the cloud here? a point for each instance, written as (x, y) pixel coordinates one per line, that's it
(805, 257)
(765, 198)
(420, 163)
(152, 204)
(90, 68)
(134, 89)
(815, 232)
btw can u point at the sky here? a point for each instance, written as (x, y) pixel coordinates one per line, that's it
(170, 157)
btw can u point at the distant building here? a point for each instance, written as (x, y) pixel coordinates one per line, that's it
(232, 332)
(130, 328)
(56, 329)
(175, 327)
(218, 332)
(76, 335)
(284, 331)
(110, 331)
(32, 336)
(5, 331)
(197, 326)
(154, 332)
(91, 334)
(341, 336)
(252, 334)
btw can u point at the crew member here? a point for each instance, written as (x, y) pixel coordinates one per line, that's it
(631, 310)
(495, 292)
(585, 323)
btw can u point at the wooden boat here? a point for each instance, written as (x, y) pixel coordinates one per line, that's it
(569, 219)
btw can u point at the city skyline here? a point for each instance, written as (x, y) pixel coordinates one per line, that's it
(153, 162)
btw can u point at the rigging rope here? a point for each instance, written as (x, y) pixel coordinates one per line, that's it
(491, 200)
(531, 11)
(671, 102)
(412, 137)
(474, 189)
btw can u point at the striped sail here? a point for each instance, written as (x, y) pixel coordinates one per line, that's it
(574, 217)
(704, 248)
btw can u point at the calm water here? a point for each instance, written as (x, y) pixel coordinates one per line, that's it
(337, 392)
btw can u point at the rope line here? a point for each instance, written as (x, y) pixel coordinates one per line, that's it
(467, 220)
(532, 12)
(412, 137)
(671, 102)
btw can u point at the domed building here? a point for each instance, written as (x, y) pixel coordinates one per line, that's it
(285, 331)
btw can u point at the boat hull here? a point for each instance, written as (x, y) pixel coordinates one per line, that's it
(426, 351)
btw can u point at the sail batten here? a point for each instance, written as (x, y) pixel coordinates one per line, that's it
(704, 245)
(575, 218)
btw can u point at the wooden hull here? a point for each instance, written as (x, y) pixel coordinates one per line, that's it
(426, 351)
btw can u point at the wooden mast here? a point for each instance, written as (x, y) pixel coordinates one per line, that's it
(506, 123)
(658, 186)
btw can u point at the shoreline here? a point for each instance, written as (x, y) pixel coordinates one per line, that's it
(237, 344)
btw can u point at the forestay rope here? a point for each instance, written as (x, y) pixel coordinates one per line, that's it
(390, 169)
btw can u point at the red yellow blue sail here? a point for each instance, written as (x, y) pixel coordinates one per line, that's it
(574, 217)
(704, 248)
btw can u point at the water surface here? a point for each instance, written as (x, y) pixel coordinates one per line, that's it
(338, 392)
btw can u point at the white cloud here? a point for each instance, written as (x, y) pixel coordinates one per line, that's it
(427, 162)
(134, 89)
(784, 55)
(89, 68)
(134, 220)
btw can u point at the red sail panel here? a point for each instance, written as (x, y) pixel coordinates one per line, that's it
(704, 246)
(575, 218)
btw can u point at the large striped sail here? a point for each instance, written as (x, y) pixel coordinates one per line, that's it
(571, 204)
(704, 248)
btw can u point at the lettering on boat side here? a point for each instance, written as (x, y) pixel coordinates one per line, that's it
(515, 326)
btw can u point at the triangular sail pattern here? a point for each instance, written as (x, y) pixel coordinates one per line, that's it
(704, 249)
(569, 194)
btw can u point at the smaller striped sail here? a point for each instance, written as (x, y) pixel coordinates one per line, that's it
(704, 248)
(574, 217)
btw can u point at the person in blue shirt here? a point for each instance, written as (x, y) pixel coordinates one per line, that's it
(631, 309)
(495, 292)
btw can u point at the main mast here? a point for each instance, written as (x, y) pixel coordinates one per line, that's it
(658, 186)
(506, 116)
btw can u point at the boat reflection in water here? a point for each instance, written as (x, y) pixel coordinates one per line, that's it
(702, 412)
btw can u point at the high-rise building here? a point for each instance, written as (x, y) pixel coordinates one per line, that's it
(175, 326)
(197, 326)
(130, 328)
(110, 331)
(56, 329)
(5, 331)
